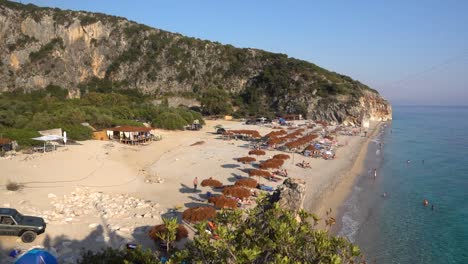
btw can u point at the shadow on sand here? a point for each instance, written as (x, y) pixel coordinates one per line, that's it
(69, 250)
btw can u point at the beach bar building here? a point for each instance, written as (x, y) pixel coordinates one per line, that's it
(130, 134)
(6, 144)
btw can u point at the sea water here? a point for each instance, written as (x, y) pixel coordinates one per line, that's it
(422, 154)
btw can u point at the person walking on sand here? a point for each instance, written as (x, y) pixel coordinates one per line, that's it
(195, 184)
(375, 174)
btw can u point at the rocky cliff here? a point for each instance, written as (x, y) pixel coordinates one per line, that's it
(80, 51)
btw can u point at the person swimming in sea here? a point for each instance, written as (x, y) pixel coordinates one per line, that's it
(425, 202)
(408, 161)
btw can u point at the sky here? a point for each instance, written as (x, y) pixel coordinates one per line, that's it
(412, 52)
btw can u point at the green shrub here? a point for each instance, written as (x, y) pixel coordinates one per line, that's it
(171, 121)
(116, 256)
(45, 50)
(77, 132)
(22, 136)
(215, 101)
(126, 122)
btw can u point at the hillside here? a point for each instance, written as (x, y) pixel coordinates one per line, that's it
(84, 52)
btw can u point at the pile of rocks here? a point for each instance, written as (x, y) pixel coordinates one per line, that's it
(83, 202)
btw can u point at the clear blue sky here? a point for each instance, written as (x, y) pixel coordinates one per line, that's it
(413, 52)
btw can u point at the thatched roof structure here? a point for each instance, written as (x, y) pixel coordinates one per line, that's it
(198, 214)
(257, 152)
(261, 173)
(222, 201)
(236, 191)
(276, 140)
(272, 164)
(160, 229)
(246, 159)
(301, 141)
(245, 132)
(281, 156)
(129, 129)
(212, 183)
(273, 134)
(249, 183)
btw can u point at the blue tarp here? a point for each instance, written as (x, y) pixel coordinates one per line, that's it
(37, 256)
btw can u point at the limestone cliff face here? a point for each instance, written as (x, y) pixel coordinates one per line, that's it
(352, 110)
(43, 46)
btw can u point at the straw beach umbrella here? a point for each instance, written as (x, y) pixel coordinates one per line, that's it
(198, 214)
(236, 191)
(281, 156)
(212, 183)
(246, 159)
(260, 173)
(222, 201)
(257, 152)
(249, 183)
(272, 164)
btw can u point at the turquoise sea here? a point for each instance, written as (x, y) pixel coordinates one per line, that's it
(397, 228)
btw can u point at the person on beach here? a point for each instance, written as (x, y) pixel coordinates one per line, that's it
(432, 207)
(422, 161)
(375, 174)
(195, 184)
(384, 195)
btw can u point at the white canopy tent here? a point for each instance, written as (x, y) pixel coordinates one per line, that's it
(48, 138)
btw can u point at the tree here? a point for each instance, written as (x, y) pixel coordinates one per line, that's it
(215, 101)
(165, 233)
(269, 234)
(264, 234)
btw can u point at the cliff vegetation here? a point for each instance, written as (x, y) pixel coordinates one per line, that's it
(86, 52)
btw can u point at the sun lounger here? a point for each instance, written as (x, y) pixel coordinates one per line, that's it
(266, 188)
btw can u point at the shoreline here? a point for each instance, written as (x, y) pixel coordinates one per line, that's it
(341, 187)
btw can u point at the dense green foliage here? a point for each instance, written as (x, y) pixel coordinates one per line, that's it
(267, 234)
(135, 59)
(215, 101)
(22, 115)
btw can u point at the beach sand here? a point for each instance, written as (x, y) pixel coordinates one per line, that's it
(101, 172)
(340, 182)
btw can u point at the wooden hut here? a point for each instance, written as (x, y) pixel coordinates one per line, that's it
(130, 134)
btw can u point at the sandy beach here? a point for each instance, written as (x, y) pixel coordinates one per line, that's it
(98, 193)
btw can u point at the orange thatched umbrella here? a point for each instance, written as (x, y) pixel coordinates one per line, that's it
(198, 214)
(249, 183)
(212, 183)
(244, 132)
(222, 201)
(236, 191)
(246, 159)
(257, 152)
(273, 134)
(281, 156)
(261, 173)
(272, 164)
(160, 229)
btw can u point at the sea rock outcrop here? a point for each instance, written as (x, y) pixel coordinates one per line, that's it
(290, 195)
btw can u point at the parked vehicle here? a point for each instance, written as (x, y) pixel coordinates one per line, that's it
(220, 131)
(12, 223)
(194, 126)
